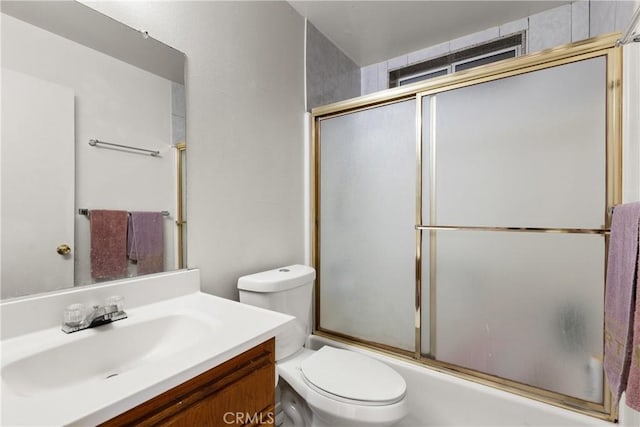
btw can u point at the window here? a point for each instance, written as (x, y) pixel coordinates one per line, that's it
(496, 50)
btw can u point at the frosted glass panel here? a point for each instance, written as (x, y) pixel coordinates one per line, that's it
(525, 151)
(523, 306)
(367, 217)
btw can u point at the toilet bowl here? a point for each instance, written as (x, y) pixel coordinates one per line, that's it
(344, 388)
(328, 387)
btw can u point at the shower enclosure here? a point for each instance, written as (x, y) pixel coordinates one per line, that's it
(462, 222)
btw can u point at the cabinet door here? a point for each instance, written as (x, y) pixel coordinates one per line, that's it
(241, 391)
(241, 403)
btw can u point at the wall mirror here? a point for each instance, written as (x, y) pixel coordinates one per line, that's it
(71, 75)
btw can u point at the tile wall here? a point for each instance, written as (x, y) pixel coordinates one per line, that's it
(565, 24)
(331, 75)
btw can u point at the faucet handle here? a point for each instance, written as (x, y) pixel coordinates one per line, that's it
(74, 314)
(116, 300)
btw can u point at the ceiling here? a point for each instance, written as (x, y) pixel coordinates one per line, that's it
(373, 31)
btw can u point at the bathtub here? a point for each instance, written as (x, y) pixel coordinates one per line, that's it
(438, 399)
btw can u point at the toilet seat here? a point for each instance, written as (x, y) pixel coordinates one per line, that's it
(352, 377)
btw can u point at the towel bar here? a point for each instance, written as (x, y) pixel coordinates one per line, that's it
(85, 212)
(152, 153)
(515, 229)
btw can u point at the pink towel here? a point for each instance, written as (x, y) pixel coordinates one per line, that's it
(108, 244)
(145, 242)
(620, 291)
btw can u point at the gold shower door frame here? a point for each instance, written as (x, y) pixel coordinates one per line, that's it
(602, 46)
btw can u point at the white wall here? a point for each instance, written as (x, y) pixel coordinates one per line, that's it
(569, 23)
(115, 102)
(245, 100)
(631, 121)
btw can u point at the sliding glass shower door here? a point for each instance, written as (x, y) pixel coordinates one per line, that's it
(464, 223)
(513, 253)
(367, 216)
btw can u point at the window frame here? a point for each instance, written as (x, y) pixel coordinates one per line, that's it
(412, 78)
(513, 42)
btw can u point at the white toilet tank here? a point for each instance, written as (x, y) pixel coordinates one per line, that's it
(286, 290)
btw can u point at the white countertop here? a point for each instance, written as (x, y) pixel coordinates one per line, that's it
(234, 329)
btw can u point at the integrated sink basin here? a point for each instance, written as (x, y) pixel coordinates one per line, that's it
(101, 353)
(173, 333)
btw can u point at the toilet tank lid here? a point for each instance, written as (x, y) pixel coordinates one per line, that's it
(279, 279)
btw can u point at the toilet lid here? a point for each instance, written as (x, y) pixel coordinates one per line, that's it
(353, 376)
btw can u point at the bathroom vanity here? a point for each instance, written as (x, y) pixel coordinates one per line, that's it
(237, 392)
(181, 357)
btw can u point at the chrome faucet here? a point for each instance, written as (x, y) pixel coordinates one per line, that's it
(77, 317)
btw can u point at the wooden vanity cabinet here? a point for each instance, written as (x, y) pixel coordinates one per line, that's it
(237, 392)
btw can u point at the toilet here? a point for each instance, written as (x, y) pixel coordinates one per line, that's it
(328, 387)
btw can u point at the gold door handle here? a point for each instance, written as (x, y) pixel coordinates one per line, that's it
(63, 249)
